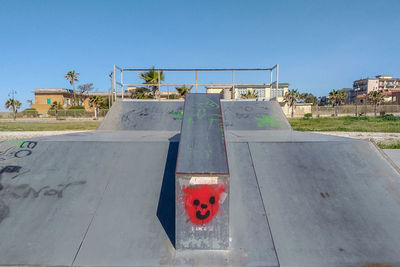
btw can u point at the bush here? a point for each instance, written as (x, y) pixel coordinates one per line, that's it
(173, 97)
(382, 113)
(30, 112)
(389, 117)
(307, 115)
(77, 107)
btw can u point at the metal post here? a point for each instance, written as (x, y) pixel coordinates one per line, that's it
(159, 89)
(277, 81)
(110, 91)
(115, 86)
(196, 80)
(270, 80)
(122, 86)
(233, 85)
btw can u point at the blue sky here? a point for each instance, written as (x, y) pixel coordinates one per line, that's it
(320, 45)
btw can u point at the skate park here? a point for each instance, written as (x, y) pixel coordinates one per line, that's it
(112, 197)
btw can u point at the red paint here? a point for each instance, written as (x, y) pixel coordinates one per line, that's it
(202, 202)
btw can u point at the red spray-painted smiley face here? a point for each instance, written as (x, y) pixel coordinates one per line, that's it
(202, 202)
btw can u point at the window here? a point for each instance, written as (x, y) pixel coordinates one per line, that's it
(67, 101)
(48, 101)
(260, 92)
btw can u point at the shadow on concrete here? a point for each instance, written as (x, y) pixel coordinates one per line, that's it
(166, 203)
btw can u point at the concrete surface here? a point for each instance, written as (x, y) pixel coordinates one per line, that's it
(394, 155)
(202, 142)
(105, 198)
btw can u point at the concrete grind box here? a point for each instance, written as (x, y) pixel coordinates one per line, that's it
(202, 177)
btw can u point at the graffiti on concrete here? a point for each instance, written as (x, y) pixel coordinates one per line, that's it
(11, 171)
(4, 211)
(177, 114)
(266, 120)
(24, 191)
(202, 202)
(23, 149)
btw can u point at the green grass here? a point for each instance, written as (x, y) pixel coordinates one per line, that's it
(49, 126)
(386, 124)
(394, 145)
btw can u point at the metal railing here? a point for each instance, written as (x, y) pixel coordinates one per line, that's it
(120, 85)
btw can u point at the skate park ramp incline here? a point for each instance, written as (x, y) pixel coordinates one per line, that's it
(106, 198)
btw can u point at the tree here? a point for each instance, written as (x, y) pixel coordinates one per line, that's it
(248, 95)
(55, 106)
(13, 105)
(85, 88)
(336, 98)
(183, 90)
(309, 98)
(376, 98)
(72, 77)
(153, 78)
(291, 97)
(95, 102)
(141, 93)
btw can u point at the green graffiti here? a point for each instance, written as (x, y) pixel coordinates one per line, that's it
(266, 120)
(178, 113)
(211, 121)
(21, 143)
(189, 121)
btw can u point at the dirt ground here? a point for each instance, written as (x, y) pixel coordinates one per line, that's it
(386, 138)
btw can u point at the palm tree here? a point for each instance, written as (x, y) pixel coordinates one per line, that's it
(183, 90)
(96, 101)
(72, 77)
(336, 98)
(291, 97)
(248, 95)
(376, 98)
(13, 105)
(153, 78)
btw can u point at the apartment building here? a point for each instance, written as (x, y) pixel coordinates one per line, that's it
(385, 84)
(263, 91)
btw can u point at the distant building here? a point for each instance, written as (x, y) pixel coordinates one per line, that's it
(350, 94)
(45, 97)
(385, 84)
(263, 91)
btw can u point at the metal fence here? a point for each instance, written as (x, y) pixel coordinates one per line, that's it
(352, 110)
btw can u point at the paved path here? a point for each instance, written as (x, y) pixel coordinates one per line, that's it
(30, 134)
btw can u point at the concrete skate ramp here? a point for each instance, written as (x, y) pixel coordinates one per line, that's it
(144, 115)
(106, 198)
(102, 203)
(253, 115)
(168, 115)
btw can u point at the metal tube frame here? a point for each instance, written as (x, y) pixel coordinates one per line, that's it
(196, 84)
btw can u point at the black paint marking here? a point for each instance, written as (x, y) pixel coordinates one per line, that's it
(212, 200)
(202, 217)
(196, 202)
(29, 144)
(10, 169)
(4, 211)
(22, 153)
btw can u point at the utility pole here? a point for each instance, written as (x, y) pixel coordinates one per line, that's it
(110, 91)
